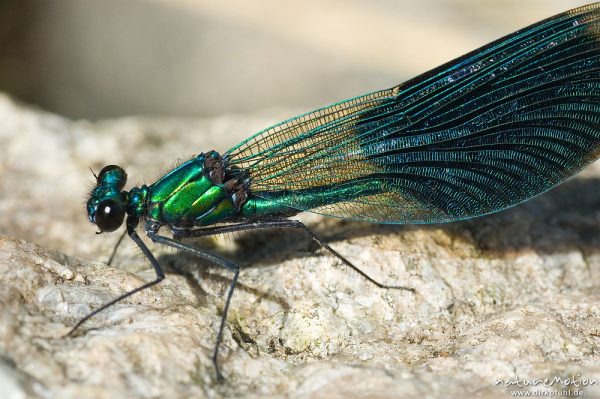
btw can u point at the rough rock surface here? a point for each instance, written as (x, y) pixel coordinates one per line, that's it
(512, 295)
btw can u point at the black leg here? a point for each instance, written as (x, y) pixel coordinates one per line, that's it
(280, 223)
(215, 259)
(131, 225)
(114, 252)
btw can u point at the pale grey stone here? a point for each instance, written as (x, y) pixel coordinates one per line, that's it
(512, 295)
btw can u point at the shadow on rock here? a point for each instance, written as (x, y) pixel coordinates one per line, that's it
(195, 271)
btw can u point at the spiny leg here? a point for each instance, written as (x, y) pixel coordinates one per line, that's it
(114, 252)
(280, 223)
(160, 275)
(213, 259)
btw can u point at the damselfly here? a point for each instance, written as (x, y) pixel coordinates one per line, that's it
(479, 134)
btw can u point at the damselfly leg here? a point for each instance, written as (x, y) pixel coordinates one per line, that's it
(274, 224)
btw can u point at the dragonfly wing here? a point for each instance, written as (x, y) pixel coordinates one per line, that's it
(479, 134)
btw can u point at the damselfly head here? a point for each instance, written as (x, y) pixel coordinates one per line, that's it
(106, 206)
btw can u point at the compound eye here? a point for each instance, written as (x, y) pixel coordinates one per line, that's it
(109, 215)
(114, 175)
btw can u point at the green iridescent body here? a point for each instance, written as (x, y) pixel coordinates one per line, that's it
(186, 196)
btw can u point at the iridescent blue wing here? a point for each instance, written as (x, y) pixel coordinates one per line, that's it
(479, 134)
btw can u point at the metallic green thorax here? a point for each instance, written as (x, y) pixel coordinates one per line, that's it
(196, 193)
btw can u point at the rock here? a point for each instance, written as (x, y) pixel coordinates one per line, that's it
(505, 299)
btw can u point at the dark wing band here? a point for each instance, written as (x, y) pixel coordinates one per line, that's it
(479, 134)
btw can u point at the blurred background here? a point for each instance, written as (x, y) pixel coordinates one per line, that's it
(98, 59)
